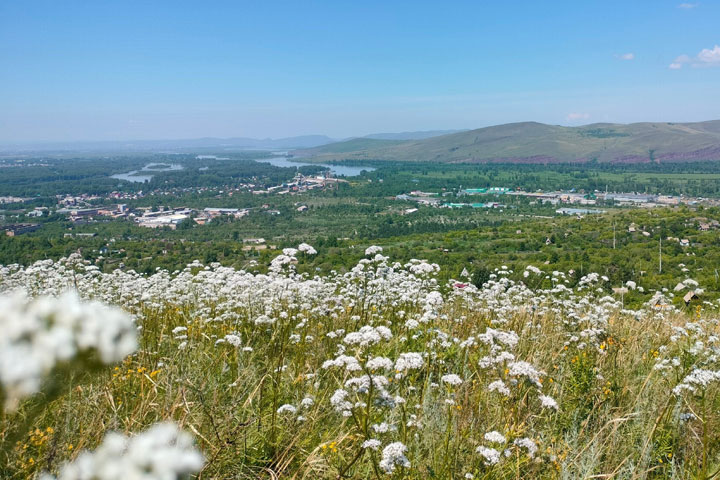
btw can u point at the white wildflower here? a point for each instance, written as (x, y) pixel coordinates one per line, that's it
(367, 335)
(37, 334)
(379, 363)
(162, 452)
(490, 455)
(233, 340)
(307, 249)
(524, 369)
(394, 455)
(287, 408)
(339, 401)
(451, 379)
(528, 444)
(494, 437)
(372, 444)
(500, 387)
(548, 402)
(409, 361)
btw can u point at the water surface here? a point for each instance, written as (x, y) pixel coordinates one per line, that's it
(339, 170)
(139, 176)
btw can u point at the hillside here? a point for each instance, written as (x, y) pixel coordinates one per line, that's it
(412, 135)
(381, 372)
(531, 142)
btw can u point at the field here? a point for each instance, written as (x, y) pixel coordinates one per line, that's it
(384, 372)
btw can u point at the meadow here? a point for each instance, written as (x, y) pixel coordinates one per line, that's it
(383, 371)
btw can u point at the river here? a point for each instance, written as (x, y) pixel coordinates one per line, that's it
(138, 176)
(339, 170)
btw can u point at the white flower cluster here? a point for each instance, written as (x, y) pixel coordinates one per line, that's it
(393, 455)
(697, 341)
(372, 444)
(548, 402)
(409, 361)
(531, 269)
(451, 379)
(524, 369)
(351, 364)
(495, 437)
(277, 263)
(528, 444)
(368, 335)
(163, 452)
(288, 408)
(697, 379)
(39, 333)
(490, 455)
(379, 363)
(230, 339)
(500, 387)
(340, 403)
(307, 249)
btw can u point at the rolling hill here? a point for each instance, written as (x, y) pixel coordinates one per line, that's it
(412, 135)
(531, 142)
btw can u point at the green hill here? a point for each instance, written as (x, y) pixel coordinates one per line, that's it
(531, 142)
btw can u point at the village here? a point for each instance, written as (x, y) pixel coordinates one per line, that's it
(85, 209)
(88, 208)
(162, 216)
(571, 197)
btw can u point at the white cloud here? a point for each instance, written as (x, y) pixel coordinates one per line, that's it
(577, 116)
(688, 6)
(626, 56)
(708, 57)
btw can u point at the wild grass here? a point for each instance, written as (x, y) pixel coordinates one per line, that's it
(617, 414)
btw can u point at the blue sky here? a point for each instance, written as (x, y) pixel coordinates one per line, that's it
(119, 70)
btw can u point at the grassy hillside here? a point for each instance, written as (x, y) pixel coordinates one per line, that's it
(382, 373)
(412, 135)
(532, 142)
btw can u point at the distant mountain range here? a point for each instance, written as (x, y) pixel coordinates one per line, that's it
(241, 143)
(306, 141)
(527, 142)
(532, 142)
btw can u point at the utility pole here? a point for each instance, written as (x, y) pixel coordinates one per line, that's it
(660, 254)
(613, 235)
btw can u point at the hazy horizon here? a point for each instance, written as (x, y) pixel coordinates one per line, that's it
(136, 71)
(276, 138)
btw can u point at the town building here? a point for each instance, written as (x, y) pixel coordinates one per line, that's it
(19, 228)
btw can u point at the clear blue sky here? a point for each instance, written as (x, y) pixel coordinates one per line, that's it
(92, 70)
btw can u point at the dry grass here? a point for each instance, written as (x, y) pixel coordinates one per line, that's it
(617, 418)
